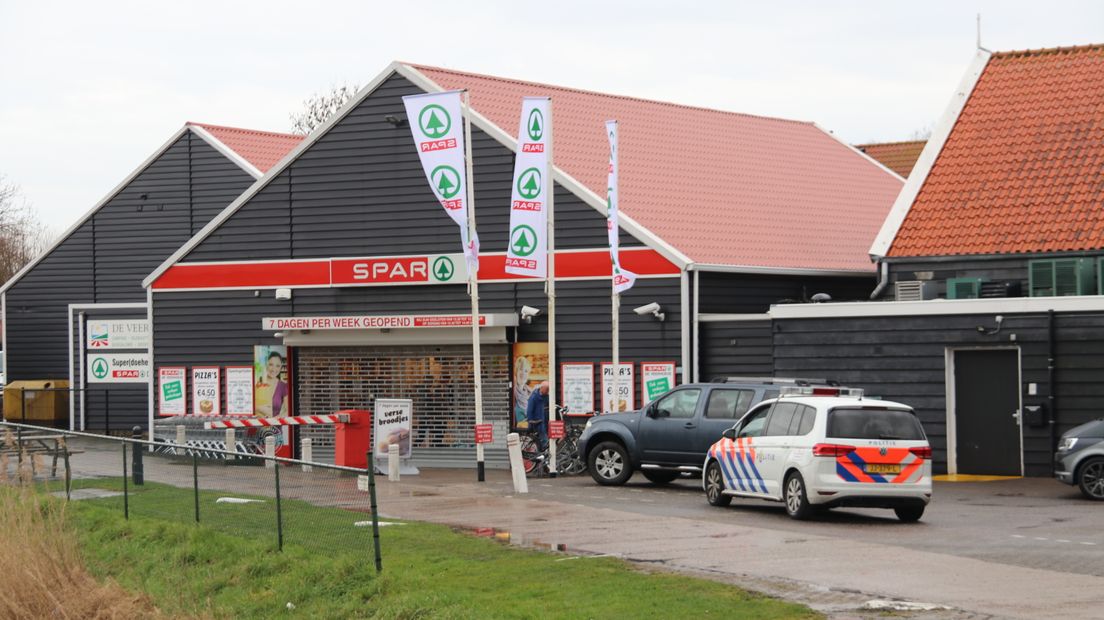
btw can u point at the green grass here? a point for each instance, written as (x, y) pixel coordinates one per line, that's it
(215, 569)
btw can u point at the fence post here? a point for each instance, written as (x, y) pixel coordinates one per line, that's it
(306, 452)
(126, 490)
(231, 443)
(181, 439)
(68, 472)
(107, 411)
(195, 482)
(270, 450)
(279, 512)
(136, 462)
(375, 512)
(19, 430)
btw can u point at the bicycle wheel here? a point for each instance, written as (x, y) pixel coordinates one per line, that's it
(565, 455)
(530, 454)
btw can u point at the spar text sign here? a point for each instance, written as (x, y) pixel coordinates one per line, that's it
(527, 253)
(118, 367)
(385, 270)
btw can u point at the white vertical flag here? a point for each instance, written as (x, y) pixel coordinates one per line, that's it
(623, 279)
(527, 251)
(437, 124)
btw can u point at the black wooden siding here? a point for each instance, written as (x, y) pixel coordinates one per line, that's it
(221, 327)
(105, 259)
(735, 349)
(741, 293)
(360, 191)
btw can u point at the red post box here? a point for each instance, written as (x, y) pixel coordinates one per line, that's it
(353, 438)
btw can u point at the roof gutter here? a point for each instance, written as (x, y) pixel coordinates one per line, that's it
(776, 271)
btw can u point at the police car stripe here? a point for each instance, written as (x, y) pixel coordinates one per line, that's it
(861, 465)
(734, 466)
(754, 469)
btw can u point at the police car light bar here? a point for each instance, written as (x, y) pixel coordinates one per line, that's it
(805, 390)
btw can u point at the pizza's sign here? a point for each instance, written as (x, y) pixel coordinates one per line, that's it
(429, 269)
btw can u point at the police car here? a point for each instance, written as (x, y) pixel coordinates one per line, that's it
(816, 448)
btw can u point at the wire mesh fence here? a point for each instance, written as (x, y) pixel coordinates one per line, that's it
(315, 506)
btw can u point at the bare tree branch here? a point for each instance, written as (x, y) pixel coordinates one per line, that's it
(319, 107)
(22, 235)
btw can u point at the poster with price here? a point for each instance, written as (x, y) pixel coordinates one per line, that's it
(577, 387)
(656, 379)
(624, 398)
(205, 390)
(239, 390)
(170, 386)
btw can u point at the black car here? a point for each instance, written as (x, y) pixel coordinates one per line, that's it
(671, 435)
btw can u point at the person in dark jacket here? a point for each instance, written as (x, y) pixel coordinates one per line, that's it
(536, 412)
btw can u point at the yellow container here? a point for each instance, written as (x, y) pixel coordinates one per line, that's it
(46, 400)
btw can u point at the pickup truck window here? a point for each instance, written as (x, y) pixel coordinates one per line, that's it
(728, 404)
(679, 404)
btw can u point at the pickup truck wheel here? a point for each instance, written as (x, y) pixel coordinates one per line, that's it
(1090, 478)
(659, 476)
(609, 463)
(714, 486)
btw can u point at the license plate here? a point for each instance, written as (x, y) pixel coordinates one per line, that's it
(879, 468)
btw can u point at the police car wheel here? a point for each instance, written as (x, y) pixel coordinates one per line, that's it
(609, 464)
(909, 514)
(714, 486)
(793, 494)
(1090, 478)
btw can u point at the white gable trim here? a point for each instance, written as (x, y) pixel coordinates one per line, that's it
(226, 151)
(88, 214)
(932, 149)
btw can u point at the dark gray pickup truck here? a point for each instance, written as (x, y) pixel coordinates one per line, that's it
(671, 435)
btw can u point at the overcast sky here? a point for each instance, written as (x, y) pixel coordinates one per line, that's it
(88, 90)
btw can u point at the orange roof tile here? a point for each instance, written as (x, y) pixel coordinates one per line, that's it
(720, 187)
(899, 157)
(262, 149)
(1023, 168)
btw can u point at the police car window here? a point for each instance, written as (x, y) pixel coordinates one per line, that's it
(807, 420)
(795, 422)
(779, 422)
(753, 422)
(728, 404)
(869, 423)
(679, 404)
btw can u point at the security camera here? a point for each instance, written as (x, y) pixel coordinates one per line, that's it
(653, 309)
(528, 312)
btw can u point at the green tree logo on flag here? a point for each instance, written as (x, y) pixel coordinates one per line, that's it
(443, 268)
(99, 368)
(434, 121)
(535, 125)
(523, 240)
(446, 181)
(529, 184)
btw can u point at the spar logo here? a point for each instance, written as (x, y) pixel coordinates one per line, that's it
(434, 121)
(99, 368)
(534, 128)
(446, 182)
(523, 240)
(529, 184)
(443, 269)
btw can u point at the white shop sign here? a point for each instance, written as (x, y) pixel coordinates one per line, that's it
(239, 390)
(624, 400)
(392, 423)
(396, 321)
(656, 379)
(206, 386)
(118, 334)
(577, 383)
(118, 367)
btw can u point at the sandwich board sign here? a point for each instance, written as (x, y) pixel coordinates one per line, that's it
(392, 421)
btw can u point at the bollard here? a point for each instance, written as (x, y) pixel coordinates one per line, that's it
(306, 452)
(231, 442)
(181, 438)
(517, 468)
(136, 458)
(393, 462)
(270, 450)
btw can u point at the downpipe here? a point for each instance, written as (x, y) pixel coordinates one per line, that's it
(883, 280)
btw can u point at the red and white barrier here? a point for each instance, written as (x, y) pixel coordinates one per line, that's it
(290, 421)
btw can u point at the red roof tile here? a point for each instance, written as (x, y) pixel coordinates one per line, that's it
(263, 149)
(720, 187)
(899, 157)
(1023, 168)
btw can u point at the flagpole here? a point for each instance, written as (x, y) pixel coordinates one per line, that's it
(473, 288)
(616, 349)
(550, 287)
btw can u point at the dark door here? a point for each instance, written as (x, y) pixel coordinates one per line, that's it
(667, 436)
(987, 402)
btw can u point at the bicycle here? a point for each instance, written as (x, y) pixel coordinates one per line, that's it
(568, 459)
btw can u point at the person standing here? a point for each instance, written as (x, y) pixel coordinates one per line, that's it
(536, 412)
